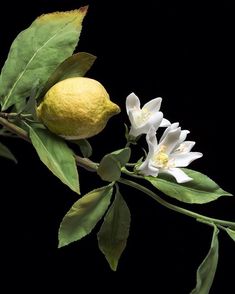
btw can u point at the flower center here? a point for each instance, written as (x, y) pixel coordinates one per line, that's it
(160, 158)
(142, 116)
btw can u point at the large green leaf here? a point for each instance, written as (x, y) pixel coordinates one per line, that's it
(200, 190)
(110, 166)
(231, 233)
(56, 155)
(114, 231)
(5, 152)
(207, 269)
(37, 51)
(75, 66)
(84, 215)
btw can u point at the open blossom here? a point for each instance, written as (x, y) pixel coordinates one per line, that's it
(169, 154)
(143, 118)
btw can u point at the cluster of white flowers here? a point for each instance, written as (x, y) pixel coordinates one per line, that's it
(172, 151)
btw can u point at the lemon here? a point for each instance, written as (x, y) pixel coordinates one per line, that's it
(76, 108)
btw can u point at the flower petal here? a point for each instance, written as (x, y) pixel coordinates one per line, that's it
(153, 105)
(154, 121)
(184, 147)
(183, 136)
(165, 123)
(184, 159)
(148, 169)
(132, 102)
(170, 140)
(151, 139)
(171, 127)
(178, 174)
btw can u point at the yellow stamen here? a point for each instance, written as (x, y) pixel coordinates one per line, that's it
(161, 158)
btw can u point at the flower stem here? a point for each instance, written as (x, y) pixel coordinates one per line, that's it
(181, 210)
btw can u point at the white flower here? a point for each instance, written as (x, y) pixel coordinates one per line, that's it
(169, 154)
(142, 119)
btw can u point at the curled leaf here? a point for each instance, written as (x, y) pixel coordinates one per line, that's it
(207, 269)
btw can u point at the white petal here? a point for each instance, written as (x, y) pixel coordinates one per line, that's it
(171, 127)
(178, 174)
(148, 169)
(153, 105)
(183, 136)
(154, 121)
(184, 159)
(165, 123)
(184, 147)
(132, 102)
(171, 140)
(132, 118)
(134, 132)
(151, 138)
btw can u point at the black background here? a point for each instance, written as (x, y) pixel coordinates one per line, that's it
(183, 53)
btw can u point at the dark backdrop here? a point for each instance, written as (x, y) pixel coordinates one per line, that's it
(183, 53)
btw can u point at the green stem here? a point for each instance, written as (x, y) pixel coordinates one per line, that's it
(91, 166)
(86, 163)
(174, 207)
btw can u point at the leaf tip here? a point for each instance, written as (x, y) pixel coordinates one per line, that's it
(113, 264)
(84, 9)
(61, 243)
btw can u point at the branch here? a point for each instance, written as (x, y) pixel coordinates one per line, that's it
(14, 129)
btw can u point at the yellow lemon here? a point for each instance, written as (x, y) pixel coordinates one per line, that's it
(76, 108)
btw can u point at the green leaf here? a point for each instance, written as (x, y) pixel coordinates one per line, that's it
(114, 231)
(6, 153)
(56, 155)
(76, 65)
(31, 105)
(84, 215)
(231, 233)
(84, 146)
(37, 51)
(200, 190)
(207, 269)
(110, 166)
(122, 155)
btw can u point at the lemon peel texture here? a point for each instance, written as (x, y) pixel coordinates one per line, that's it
(76, 108)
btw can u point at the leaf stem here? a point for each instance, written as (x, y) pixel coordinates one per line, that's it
(174, 207)
(86, 163)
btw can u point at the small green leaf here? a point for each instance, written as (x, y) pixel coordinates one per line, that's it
(231, 233)
(6, 153)
(114, 231)
(84, 146)
(110, 166)
(56, 155)
(109, 169)
(200, 190)
(207, 269)
(84, 215)
(37, 51)
(122, 155)
(76, 65)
